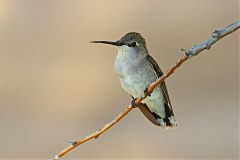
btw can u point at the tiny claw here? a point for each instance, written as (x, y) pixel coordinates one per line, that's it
(146, 92)
(133, 103)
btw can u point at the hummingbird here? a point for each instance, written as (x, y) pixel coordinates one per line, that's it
(137, 70)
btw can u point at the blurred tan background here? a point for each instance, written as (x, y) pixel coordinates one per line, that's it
(56, 87)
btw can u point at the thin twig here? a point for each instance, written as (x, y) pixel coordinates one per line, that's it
(216, 35)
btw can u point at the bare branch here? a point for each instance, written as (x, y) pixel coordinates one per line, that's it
(216, 35)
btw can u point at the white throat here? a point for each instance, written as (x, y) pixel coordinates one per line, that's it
(129, 53)
(128, 59)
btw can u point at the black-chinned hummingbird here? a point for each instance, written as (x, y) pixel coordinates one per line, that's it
(137, 70)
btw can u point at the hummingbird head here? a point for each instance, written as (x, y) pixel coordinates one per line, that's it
(130, 42)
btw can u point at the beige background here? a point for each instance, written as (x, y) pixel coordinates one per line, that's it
(56, 87)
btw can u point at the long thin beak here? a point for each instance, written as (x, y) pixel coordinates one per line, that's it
(117, 43)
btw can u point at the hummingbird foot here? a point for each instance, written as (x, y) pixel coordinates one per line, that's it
(133, 103)
(146, 92)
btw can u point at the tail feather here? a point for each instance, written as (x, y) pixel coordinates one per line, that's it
(168, 121)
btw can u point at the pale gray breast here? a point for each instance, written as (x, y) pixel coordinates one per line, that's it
(135, 73)
(126, 64)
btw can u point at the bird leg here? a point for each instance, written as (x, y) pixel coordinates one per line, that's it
(133, 102)
(146, 92)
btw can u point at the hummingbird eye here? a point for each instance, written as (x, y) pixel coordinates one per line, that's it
(133, 44)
